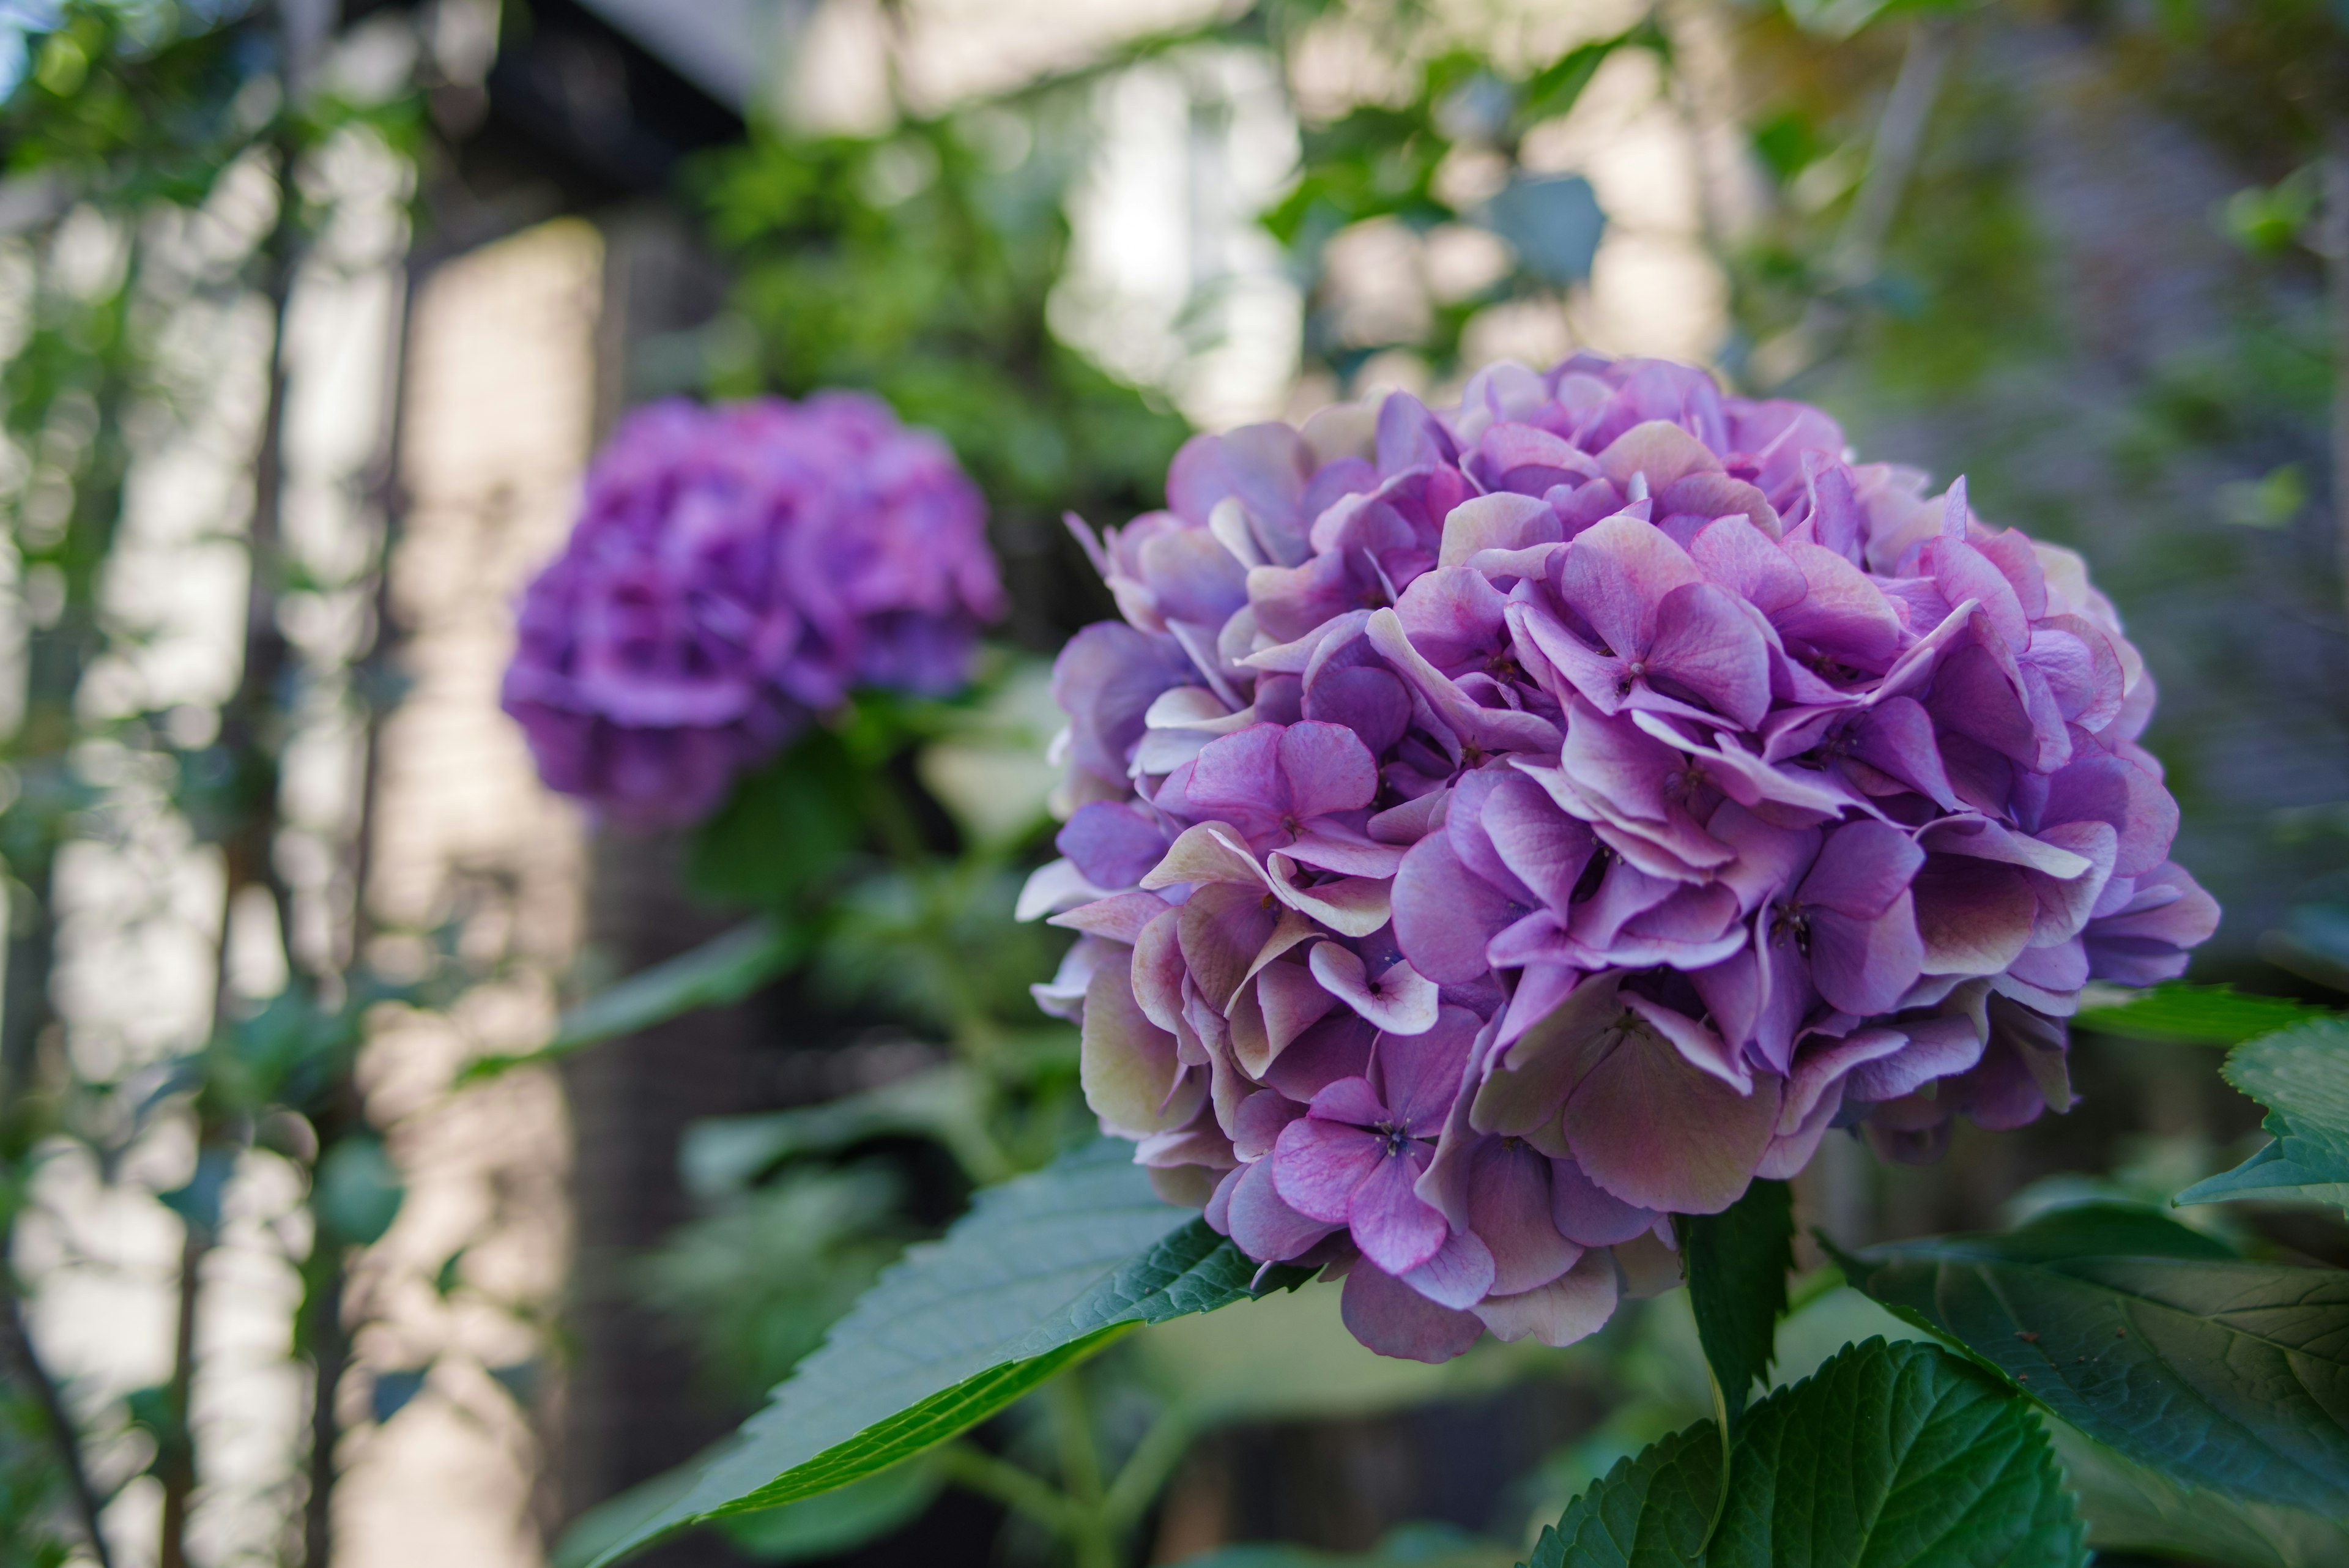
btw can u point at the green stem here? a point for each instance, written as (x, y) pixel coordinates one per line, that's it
(1092, 1536)
(1146, 1470)
(974, 1469)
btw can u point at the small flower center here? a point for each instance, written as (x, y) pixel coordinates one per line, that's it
(1789, 921)
(1396, 1138)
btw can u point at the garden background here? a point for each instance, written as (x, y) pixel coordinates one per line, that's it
(344, 1224)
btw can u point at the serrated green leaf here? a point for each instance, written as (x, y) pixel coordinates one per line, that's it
(2301, 1076)
(1887, 1454)
(1738, 1261)
(2131, 1509)
(720, 972)
(2150, 1338)
(1044, 1270)
(1651, 1512)
(2197, 1015)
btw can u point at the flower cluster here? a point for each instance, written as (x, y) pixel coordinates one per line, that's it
(734, 569)
(1496, 830)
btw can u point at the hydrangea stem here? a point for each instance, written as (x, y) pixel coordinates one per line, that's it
(1092, 1537)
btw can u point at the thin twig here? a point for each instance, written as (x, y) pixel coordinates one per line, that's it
(1143, 1475)
(973, 1468)
(175, 1466)
(1857, 253)
(2336, 268)
(24, 1366)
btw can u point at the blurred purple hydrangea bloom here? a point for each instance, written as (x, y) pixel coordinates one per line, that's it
(1495, 831)
(736, 568)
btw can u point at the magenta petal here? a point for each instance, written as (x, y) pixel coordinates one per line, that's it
(1458, 1275)
(1861, 868)
(1266, 1228)
(1509, 1206)
(1864, 967)
(1652, 1129)
(1616, 574)
(1370, 702)
(1444, 915)
(1589, 1216)
(1392, 1319)
(1544, 849)
(1396, 1228)
(1398, 999)
(1420, 1074)
(1328, 766)
(1739, 557)
(1238, 778)
(1316, 1165)
(1353, 1101)
(1842, 614)
(1573, 1306)
(1454, 615)
(1706, 643)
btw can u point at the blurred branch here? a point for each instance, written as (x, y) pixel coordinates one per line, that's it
(1892, 156)
(1858, 253)
(2335, 246)
(23, 1364)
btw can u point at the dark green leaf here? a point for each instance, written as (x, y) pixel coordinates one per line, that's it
(2150, 1338)
(785, 827)
(1555, 223)
(2197, 1015)
(356, 1192)
(199, 1201)
(394, 1388)
(2301, 1076)
(1405, 1546)
(2131, 1509)
(1042, 1272)
(1651, 1512)
(720, 972)
(1887, 1454)
(1738, 1261)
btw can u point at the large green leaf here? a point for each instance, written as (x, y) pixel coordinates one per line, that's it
(720, 971)
(1737, 1266)
(1887, 1454)
(2197, 1015)
(2301, 1076)
(2152, 1339)
(2129, 1508)
(1042, 1272)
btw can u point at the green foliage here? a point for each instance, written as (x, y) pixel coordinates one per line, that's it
(723, 1156)
(2197, 1014)
(2152, 1339)
(720, 971)
(1381, 161)
(1404, 1546)
(1043, 1272)
(837, 1522)
(920, 265)
(2301, 1076)
(1738, 1261)
(759, 1282)
(2132, 1508)
(357, 1192)
(786, 828)
(32, 1485)
(1888, 1453)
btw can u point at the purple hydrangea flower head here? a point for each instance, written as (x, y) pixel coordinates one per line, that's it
(1499, 829)
(734, 569)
